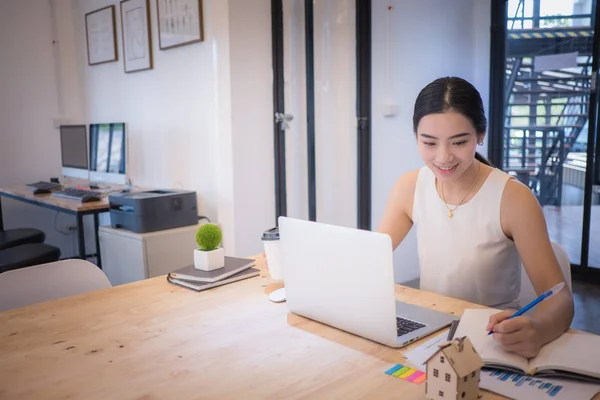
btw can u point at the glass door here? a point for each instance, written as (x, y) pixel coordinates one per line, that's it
(295, 125)
(592, 198)
(548, 89)
(316, 122)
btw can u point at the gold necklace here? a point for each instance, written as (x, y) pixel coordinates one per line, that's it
(451, 211)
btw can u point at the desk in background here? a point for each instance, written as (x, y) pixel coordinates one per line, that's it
(67, 206)
(155, 340)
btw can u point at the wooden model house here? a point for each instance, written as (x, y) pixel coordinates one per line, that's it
(453, 371)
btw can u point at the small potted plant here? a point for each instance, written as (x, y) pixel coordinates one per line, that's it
(209, 256)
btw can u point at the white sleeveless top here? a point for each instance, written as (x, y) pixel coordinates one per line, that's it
(467, 256)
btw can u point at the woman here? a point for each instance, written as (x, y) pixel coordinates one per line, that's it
(475, 225)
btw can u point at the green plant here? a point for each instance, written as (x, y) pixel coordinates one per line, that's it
(208, 237)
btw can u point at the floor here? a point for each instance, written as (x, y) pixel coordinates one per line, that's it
(564, 227)
(587, 307)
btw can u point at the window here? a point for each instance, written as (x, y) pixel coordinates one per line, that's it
(473, 374)
(466, 377)
(447, 377)
(442, 359)
(435, 372)
(441, 394)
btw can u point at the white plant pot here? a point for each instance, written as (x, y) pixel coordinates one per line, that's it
(209, 260)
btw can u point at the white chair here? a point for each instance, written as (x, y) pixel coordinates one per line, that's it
(43, 282)
(528, 293)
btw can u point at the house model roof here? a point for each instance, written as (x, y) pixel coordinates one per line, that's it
(461, 354)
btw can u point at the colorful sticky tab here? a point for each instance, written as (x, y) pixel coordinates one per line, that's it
(393, 369)
(407, 373)
(401, 371)
(416, 375)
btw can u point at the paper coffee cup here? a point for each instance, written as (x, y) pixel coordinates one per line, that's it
(270, 239)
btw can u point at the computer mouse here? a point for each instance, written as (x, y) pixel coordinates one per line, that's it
(277, 296)
(90, 198)
(42, 191)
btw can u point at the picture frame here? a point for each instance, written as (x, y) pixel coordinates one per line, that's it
(101, 36)
(180, 23)
(135, 32)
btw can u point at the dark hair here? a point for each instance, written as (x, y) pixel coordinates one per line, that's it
(452, 94)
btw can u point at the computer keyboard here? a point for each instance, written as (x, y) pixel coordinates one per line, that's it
(44, 185)
(404, 326)
(78, 194)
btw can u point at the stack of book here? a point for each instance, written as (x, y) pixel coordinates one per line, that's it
(235, 269)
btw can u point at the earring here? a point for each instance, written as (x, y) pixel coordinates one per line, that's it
(480, 143)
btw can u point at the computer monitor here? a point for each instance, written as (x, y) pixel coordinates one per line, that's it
(108, 153)
(73, 146)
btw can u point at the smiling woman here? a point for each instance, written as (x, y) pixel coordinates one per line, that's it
(475, 225)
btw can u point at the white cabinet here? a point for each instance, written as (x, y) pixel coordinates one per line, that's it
(128, 256)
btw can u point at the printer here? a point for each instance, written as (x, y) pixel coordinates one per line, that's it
(153, 210)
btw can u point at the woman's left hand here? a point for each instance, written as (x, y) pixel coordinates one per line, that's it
(517, 335)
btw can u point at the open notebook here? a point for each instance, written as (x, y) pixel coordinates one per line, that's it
(572, 355)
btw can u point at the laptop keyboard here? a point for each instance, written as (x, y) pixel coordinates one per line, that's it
(404, 326)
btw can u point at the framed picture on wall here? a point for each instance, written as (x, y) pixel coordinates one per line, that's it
(179, 22)
(137, 43)
(101, 36)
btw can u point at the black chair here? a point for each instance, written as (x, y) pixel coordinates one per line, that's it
(27, 255)
(19, 236)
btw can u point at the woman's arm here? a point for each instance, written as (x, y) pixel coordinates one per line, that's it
(396, 220)
(523, 221)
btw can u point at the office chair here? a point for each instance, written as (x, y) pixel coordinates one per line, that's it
(18, 236)
(528, 293)
(45, 282)
(26, 255)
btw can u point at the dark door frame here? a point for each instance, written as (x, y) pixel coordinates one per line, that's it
(592, 135)
(309, 43)
(278, 107)
(497, 71)
(363, 110)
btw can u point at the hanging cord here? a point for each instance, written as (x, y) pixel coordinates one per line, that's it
(388, 27)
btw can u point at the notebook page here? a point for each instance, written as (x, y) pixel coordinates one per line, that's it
(523, 387)
(472, 324)
(575, 352)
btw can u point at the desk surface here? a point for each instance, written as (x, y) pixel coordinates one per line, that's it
(155, 340)
(23, 193)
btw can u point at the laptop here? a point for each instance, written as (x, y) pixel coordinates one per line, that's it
(344, 277)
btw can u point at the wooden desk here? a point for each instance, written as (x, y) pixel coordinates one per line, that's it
(155, 340)
(68, 206)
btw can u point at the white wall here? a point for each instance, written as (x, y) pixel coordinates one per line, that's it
(427, 40)
(29, 146)
(194, 117)
(170, 110)
(252, 121)
(179, 114)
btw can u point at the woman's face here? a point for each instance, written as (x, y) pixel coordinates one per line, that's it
(447, 143)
